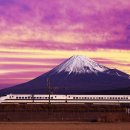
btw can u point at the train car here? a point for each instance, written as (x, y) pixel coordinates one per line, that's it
(45, 98)
(98, 98)
(32, 98)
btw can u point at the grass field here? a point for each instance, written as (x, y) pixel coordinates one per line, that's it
(64, 126)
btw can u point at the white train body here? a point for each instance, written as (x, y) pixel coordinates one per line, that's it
(44, 98)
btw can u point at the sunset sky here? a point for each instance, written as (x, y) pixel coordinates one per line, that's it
(37, 35)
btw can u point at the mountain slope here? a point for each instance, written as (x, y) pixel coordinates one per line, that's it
(76, 75)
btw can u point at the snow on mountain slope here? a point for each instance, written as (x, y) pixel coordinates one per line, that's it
(117, 72)
(79, 64)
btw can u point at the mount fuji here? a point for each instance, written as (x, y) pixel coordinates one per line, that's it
(76, 75)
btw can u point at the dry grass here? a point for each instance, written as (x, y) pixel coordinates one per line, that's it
(64, 126)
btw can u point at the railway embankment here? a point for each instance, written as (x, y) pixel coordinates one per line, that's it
(64, 112)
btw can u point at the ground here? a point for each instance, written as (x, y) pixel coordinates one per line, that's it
(63, 126)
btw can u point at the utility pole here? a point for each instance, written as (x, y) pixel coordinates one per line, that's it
(49, 89)
(52, 89)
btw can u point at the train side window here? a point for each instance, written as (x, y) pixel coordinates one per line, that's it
(76, 97)
(73, 97)
(125, 98)
(51, 97)
(55, 96)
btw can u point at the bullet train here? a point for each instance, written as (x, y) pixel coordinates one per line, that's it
(45, 98)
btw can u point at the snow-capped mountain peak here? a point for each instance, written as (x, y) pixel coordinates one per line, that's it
(80, 64)
(77, 75)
